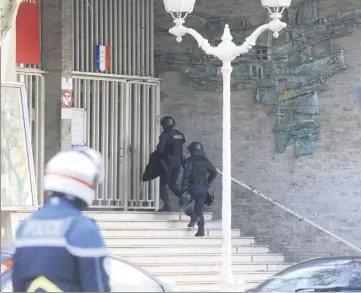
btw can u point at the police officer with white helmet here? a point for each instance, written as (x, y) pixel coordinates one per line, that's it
(58, 249)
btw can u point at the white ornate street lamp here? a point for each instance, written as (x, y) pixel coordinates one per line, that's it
(226, 51)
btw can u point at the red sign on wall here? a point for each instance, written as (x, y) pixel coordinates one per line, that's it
(28, 32)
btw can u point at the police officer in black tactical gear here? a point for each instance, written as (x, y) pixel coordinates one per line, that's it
(170, 147)
(198, 175)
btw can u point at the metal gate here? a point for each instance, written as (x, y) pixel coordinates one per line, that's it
(34, 81)
(127, 26)
(122, 122)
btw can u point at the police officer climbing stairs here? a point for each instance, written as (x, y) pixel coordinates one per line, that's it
(198, 175)
(170, 147)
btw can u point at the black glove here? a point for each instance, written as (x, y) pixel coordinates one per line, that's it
(181, 192)
(209, 199)
(184, 202)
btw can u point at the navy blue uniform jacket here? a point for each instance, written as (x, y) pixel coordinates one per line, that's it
(59, 249)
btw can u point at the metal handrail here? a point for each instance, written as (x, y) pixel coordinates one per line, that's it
(301, 218)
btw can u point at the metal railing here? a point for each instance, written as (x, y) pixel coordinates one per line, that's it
(34, 80)
(122, 122)
(301, 218)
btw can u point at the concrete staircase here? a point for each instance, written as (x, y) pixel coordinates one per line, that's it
(162, 244)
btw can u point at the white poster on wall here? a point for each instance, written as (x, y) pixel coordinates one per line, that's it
(18, 188)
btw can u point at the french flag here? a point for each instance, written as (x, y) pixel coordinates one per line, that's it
(102, 57)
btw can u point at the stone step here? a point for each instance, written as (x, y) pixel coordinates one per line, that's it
(155, 232)
(210, 286)
(140, 216)
(154, 224)
(173, 241)
(180, 250)
(156, 268)
(172, 278)
(112, 216)
(203, 258)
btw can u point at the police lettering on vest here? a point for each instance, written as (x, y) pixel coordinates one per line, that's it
(177, 136)
(49, 228)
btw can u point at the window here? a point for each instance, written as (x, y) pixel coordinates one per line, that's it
(257, 71)
(125, 277)
(261, 52)
(254, 70)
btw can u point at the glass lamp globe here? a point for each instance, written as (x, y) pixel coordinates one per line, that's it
(276, 3)
(179, 6)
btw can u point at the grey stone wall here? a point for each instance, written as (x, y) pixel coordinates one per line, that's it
(325, 186)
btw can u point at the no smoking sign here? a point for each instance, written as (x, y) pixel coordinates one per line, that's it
(66, 99)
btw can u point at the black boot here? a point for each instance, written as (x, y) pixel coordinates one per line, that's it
(165, 208)
(194, 220)
(200, 232)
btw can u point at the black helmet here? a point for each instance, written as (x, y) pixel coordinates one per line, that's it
(167, 121)
(196, 149)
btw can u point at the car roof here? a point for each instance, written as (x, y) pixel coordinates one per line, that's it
(7, 252)
(332, 258)
(319, 261)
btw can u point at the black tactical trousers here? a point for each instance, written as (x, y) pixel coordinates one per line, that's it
(198, 193)
(169, 178)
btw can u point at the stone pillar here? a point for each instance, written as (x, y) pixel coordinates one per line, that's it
(8, 62)
(57, 60)
(9, 10)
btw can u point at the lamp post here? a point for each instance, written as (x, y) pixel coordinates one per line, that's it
(226, 51)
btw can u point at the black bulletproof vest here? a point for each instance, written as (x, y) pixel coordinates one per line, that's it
(199, 173)
(174, 144)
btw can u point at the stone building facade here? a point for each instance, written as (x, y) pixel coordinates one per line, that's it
(310, 162)
(296, 135)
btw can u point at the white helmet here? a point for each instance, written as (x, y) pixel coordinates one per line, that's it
(75, 172)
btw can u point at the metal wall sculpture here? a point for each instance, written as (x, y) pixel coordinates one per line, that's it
(284, 74)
